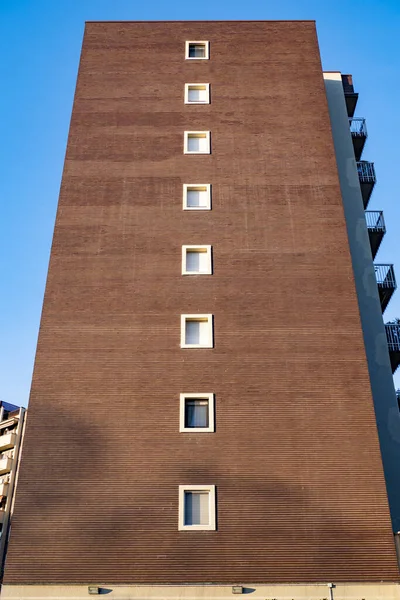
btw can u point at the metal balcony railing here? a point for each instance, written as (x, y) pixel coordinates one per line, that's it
(358, 127)
(366, 171)
(367, 178)
(393, 336)
(393, 340)
(358, 130)
(376, 229)
(385, 275)
(375, 220)
(386, 283)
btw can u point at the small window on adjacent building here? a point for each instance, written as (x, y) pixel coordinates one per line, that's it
(196, 196)
(196, 331)
(197, 142)
(196, 413)
(197, 93)
(197, 50)
(196, 260)
(197, 507)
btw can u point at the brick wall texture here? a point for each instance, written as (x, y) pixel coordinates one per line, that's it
(295, 456)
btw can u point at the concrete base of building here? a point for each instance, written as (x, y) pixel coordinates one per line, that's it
(314, 591)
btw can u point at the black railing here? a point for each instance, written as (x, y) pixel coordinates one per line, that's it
(386, 283)
(385, 276)
(366, 171)
(375, 220)
(393, 336)
(358, 130)
(376, 229)
(367, 178)
(358, 127)
(393, 340)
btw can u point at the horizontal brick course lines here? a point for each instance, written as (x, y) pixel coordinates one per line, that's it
(295, 456)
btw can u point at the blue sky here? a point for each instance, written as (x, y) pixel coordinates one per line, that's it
(40, 43)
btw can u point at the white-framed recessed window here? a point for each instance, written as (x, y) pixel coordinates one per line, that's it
(196, 413)
(196, 142)
(197, 50)
(196, 260)
(196, 331)
(196, 196)
(197, 93)
(197, 508)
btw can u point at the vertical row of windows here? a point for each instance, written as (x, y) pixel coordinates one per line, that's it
(196, 410)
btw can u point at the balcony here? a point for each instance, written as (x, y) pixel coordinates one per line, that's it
(5, 465)
(7, 441)
(386, 283)
(358, 130)
(376, 229)
(367, 177)
(393, 340)
(3, 489)
(350, 96)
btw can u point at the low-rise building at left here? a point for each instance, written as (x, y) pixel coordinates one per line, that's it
(12, 422)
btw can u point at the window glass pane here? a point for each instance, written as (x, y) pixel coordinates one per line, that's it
(193, 144)
(196, 508)
(198, 94)
(203, 262)
(196, 197)
(192, 333)
(197, 143)
(196, 413)
(203, 144)
(197, 50)
(197, 332)
(193, 261)
(204, 332)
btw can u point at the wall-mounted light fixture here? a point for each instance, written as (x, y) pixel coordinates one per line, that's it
(93, 590)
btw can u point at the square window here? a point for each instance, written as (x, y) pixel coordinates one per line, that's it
(196, 331)
(196, 142)
(197, 50)
(196, 196)
(197, 507)
(197, 93)
(196, 413)
(196, 260)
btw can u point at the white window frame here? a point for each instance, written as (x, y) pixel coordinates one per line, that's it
(210, 333)
(211, 507)
(206, 250)
(206, 54)
(192, 85)
(182, 406)
(190, 186)
(188, 134)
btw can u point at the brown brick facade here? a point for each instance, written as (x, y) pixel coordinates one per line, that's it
(295, 456)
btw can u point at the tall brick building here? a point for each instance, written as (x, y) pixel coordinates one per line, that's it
(212, 343)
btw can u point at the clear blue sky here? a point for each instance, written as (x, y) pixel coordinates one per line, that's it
(40, 43)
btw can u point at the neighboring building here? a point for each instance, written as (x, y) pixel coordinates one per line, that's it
(212, 345)
(11, 435)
